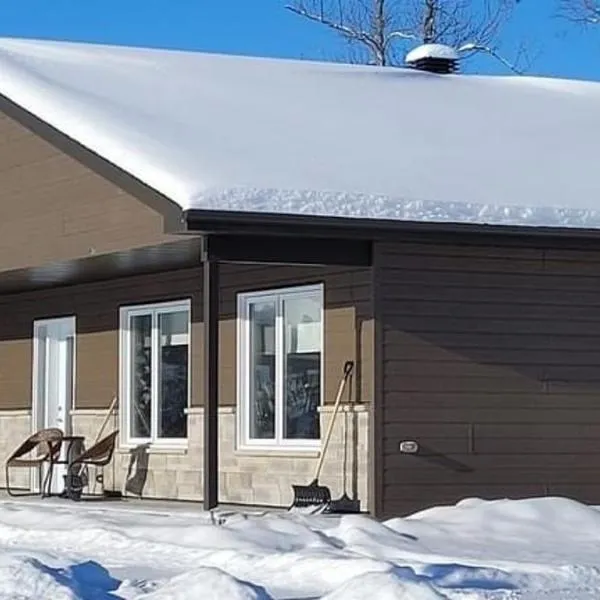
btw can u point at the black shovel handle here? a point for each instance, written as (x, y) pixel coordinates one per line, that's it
(348, 366)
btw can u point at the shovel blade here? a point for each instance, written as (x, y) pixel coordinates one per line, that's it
(311, 495)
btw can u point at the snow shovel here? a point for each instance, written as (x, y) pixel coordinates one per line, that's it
(314, 494)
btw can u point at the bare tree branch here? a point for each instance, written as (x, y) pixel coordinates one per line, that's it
(491, 52)
(379, 30)
(583, 12)
(348, 32)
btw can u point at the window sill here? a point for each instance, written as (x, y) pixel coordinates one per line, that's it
(278, 452)
(153, 449)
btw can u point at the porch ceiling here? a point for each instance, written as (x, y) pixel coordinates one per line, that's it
(177, 255)
(189, 252)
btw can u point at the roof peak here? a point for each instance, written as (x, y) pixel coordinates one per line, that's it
(22, 45)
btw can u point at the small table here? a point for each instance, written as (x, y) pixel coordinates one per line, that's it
(74, 444)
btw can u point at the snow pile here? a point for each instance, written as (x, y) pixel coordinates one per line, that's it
(27, 579)
(234, 133)
(539, 549)
(387, 586)
(214, 584)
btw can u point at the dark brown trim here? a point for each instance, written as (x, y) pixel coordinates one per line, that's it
(252, 223)
(376, 430)
(211, 382)
(170, 211)
(169, 256)
(285, 250)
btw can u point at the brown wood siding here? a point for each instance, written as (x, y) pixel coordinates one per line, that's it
(491, 361)
(348, 321)
(348, 324)
(96, 307)
(55, 209)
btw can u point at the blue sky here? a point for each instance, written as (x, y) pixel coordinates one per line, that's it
(265, 28)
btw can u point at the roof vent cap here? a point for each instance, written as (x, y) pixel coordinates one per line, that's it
(435, 58)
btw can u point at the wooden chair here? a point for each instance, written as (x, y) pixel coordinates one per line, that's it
(48, 444)
(98, 455)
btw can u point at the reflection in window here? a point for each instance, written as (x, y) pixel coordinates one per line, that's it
(281, 352)
(302, 366)
(141, 376)
(174, 351)
(156, 346)
(262, 370)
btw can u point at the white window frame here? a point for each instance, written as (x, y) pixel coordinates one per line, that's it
(244, 300)
(125, 314)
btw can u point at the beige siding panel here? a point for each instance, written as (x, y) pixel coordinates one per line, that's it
(348, 324)
(15, 374)
(55, 209)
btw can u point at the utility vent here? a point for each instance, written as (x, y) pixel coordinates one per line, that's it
(435, 58)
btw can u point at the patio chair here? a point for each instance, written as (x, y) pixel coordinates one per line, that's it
(48, 444)
(98, 455)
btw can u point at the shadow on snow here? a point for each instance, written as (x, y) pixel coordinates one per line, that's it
(459, 577)
(88, 580)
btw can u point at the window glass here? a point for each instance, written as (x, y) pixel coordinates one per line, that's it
(302, 366)
(140, 421)
(262, 369)
(156, 344)
(173, 374)
(281, 353)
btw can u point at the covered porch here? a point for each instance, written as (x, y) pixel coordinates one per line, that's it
(212, 269)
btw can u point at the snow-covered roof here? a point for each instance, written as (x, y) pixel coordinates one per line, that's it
(253, 134)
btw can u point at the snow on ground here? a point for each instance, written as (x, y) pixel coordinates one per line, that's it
(546, 549)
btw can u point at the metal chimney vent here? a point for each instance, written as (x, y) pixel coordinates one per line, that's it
(435, 58)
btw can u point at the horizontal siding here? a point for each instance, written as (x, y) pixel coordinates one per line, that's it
(491, 361)
(348, 325)
(96, 307)
(55, 209)
(15, 373)
(348, 320)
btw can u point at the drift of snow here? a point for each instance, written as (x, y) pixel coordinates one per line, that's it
(234, 133)
(537, 549)
(387, 586)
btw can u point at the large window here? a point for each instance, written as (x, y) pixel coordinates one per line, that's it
(155, 353)
(280, 350)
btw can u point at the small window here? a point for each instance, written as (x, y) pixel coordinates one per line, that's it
(280, 353)
(155, 388)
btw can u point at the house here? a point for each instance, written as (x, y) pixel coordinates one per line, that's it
(210, 238)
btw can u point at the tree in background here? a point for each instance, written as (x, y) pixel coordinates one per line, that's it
(584, 12)
(379, 32)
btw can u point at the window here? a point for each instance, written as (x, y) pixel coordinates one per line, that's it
(155, 354)
(280, 351)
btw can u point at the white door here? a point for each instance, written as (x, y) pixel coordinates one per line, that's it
(53, 381)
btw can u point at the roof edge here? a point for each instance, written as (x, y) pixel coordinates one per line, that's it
(200, 221)
(171, 212)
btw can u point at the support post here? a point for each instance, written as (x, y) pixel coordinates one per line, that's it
(211, 379)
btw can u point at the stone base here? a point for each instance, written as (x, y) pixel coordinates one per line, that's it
(263, 478)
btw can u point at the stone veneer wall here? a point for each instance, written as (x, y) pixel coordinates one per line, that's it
(15, 426)
(247, 478)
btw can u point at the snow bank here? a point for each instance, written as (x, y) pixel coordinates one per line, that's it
(510, 527)
(546, 548)
(41, 576)
(23, 579)
(208, 584)
(387, 586)
(234, 133)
